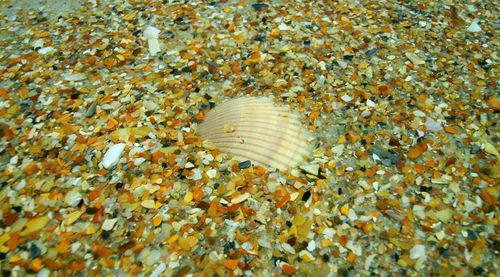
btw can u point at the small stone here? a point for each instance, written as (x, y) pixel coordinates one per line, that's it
(338, 149)
(259, 6)
(74, 77)
(240, 198)
(35, 224)
(444, 215)
(311, 246)
(108, 224)
(148, 204)
(488, 147)
(415, 59)
(346, 98)
(189, 165)
(46, 50)
(72, 217)
(432, 125)
(158, 270)
(474, 26)
(288, 248)
(419, 211)
(306, 196)
(212, 173)
(245, 164)
(35, 251)
(91, 110)
(311, 168)
(197, 174)
(73, 197)
(417, 252)
(306, 256)
(113, 155)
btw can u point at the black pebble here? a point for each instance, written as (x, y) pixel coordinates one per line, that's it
(91, 210)
(105, 235)
(472, 235)
(245, 164)
(35, 251)
(478, 270)
(306, 196)
(3, 256)
(259, 6)
(176, 72)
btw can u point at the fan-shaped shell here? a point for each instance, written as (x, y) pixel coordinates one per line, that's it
(254, 128)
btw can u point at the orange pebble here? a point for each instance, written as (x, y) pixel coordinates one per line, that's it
(231, 264)
(197, 194)
(417, 150)
(288, 269)
(4, 94)
(36, 264)
(157, 219)
(102, 251)
(351, 257)
(451, 130)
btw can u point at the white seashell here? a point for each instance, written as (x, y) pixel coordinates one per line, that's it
(254, 128)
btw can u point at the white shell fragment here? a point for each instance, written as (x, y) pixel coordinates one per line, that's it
(151, 35)
(113, 155)
(254, 128)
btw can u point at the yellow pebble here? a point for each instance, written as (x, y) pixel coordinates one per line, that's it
(72, 217)
(344, 210)
(188, 197)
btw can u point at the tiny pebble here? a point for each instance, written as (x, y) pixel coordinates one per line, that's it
(346, 98)
(311, 168)
(240, 198)
(113, 155)
(417, 252)
(148, 204)
(474, 26)
(158, 270)
(108, 224)
(245, 164)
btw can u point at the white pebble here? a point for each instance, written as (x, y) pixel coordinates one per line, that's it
(288, 248)
(240, 198)
(148, 204)
(197, 174)
(432, 125)
(417, 252)
(370, 103)
(113, 155)
(46, 50)
(212, 173)
(108, 224)
(158, 270)
(346, 98)
(474, 27)
(73, 197)
(311, 168)
(311, 246)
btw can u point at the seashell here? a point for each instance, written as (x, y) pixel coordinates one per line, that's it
(254, 128)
